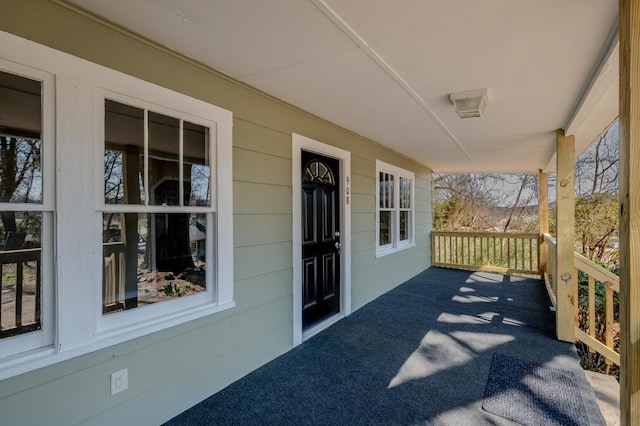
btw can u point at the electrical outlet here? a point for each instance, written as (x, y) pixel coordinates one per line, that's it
(119, 381)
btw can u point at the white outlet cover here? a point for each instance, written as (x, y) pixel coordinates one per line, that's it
(119, 381)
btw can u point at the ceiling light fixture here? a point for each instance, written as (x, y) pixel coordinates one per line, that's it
(471, 103)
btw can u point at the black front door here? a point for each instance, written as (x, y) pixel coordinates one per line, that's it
(320, 237)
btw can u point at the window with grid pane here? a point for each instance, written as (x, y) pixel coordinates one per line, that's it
(157, 205)
(394, 208)
(26, 210)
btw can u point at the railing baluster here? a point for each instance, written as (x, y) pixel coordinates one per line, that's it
(488, 252)
(1, 274)
(468, 251)
(574, 282)
(462, 249)
(608, 332)
(495, 257)
(38, 288)
(447, 243)
(592, 308)
(18, 300)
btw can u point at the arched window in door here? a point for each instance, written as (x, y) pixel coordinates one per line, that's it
(316, 171)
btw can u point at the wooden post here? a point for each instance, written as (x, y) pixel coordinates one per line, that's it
(565, 323)
(629, 33)
(543, 215)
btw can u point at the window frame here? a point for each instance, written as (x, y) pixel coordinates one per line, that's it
(45, 336)
(218, 294)
(395, 244)
(71, 120)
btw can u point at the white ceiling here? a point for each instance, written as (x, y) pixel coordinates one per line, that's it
(384, 69)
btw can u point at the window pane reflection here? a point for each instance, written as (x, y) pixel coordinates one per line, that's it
(164, 150)
(20, 144)
(124, 153)
(20, 260)
(404, 225)
(385, 227)
(405, 193)
(197, 169)
(152, 257)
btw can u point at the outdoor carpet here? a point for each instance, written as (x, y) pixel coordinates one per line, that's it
(533, 394)
(418, 355)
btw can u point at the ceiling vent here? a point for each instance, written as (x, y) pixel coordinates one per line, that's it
(471, 103)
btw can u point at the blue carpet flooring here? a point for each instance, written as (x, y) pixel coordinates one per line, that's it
(533, 394)
(420, 354)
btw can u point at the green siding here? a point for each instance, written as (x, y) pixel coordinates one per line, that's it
(261, 259)
(256, 291)
(252, 229)
(173, 369)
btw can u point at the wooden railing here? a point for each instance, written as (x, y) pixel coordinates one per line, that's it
(597, 276)
(506, 253)
(20, 282)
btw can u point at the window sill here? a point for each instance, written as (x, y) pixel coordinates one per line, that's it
(387, 251)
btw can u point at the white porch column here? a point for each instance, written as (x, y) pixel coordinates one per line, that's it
(565, 204)
(629, 212)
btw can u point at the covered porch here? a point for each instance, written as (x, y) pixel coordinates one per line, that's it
(422, 353)
(554, 75)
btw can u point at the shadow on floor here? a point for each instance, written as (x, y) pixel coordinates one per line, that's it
(420, 354)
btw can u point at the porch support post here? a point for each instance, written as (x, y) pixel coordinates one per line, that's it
(565, 299)
(543, 215)
(629, 32)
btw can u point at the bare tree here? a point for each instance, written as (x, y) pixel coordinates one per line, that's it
(19, 171)
(598, 168)
(483, 201)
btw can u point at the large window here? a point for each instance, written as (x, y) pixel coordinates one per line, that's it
(159, 207)
(394, 208)
(26, 216)
(138, 194)
(157, 196)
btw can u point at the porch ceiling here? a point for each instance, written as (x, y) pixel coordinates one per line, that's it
(385, 69)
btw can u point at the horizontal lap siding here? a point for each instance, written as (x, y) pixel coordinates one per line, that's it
(173, 369)
(371, 276)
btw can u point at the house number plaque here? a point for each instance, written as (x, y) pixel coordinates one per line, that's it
(346, 190)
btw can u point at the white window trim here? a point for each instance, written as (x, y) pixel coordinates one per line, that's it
(45, 336)
(78, 326)
(395, 245)
(142, 317)
(219, 293)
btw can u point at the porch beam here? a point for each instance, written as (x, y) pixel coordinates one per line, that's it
(629, 30)
(543, 216)
(565, 202)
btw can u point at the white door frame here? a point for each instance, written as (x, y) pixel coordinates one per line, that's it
(300, 143)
